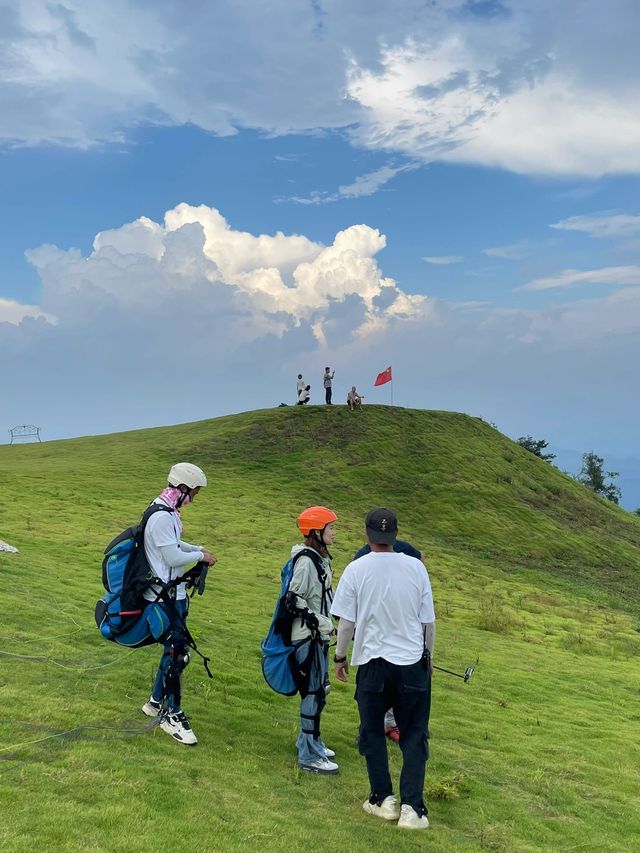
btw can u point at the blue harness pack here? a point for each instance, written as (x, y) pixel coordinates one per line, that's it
(279, 667)
(123, 614)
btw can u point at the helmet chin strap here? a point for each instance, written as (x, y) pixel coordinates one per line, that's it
(184, 499)
(319, 536)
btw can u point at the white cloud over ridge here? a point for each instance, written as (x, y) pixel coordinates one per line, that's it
(188, 318)
(602, 225)
(616, 276)
(530, 87)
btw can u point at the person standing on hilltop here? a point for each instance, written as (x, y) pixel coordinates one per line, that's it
(168, 556)
(326, 381)
(309, 599)
(389, 596)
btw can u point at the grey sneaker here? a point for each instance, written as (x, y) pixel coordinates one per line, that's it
(410, 819)
(388, 809)
(320, 765)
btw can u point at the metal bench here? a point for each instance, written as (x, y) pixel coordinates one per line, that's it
(24, 432)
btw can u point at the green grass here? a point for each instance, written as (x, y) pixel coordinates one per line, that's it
(536, 586)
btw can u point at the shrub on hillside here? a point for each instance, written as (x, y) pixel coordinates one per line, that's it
(536, 446)
(593, 476)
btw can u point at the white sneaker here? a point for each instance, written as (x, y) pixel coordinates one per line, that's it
(410, 819)
(388, 809)
(152, 708)
(320, 765)
(329, 752)
(178, 727)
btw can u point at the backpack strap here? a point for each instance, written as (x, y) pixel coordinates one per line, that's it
(322, 575)
(316, 560)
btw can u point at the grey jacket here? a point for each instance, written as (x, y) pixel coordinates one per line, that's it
(308, 589)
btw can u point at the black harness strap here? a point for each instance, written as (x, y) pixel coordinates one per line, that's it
(166, 596)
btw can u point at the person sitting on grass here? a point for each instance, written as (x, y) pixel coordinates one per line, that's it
(354, 400)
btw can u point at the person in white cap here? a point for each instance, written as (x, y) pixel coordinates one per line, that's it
(169, 557)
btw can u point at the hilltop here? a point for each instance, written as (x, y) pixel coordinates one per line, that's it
(536, 584)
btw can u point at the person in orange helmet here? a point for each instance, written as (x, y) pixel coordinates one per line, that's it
(309, 600)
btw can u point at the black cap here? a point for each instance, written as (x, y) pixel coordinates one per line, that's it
(382, 526)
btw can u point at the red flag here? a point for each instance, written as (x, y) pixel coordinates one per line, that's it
(383, 378)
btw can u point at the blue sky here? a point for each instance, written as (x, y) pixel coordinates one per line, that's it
(220, 198)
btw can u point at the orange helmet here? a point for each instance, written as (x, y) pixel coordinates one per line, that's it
(315, 518)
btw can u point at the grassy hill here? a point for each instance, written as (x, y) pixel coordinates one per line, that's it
(536, 585)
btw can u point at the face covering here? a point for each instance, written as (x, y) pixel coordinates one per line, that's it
(171, 495)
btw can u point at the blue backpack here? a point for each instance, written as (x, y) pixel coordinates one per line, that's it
(123, 614)
(279, 667)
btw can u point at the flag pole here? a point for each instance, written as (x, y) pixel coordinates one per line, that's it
(391, 383)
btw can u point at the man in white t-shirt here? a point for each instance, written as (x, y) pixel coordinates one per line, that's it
(388, 595)
(169, 557)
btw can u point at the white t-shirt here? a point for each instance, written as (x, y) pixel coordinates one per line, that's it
(163, 528)
(388, 596)
(300, 385)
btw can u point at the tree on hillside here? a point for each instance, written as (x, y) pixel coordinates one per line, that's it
(593, 475)
(636, 511)
(536, 447)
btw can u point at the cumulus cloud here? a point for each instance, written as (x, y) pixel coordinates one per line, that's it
(602, 225)
(534, 88)
(617, 276)
(246, 286)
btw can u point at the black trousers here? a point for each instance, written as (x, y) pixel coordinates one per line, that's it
(327, 395)
(380, 685)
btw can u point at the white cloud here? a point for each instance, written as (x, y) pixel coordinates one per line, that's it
(443, 260)
(618, 276)
(512, 252)
(602, 225)
(363, 185)
(247, 285)
(15, 312)
(557, 128)
(535, 89)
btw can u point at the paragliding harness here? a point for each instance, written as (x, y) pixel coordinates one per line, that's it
(126, 617)
(283, 669)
